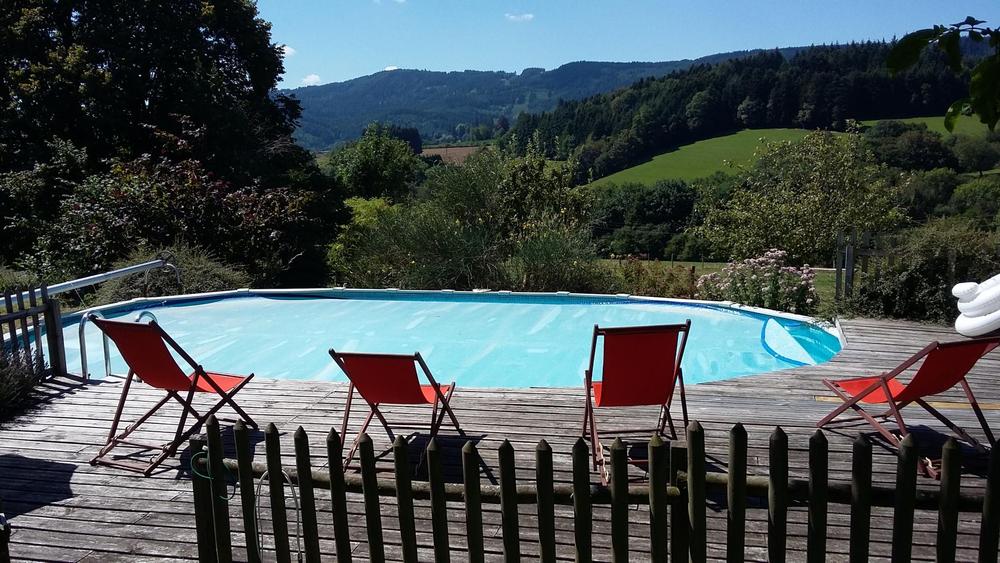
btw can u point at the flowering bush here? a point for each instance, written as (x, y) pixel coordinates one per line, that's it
(764, 281)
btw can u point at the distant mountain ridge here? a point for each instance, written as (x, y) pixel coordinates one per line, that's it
(437, 103)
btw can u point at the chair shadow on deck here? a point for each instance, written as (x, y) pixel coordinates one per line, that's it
(226, 433)
(450, 447)
(930, 442)
(30, 483)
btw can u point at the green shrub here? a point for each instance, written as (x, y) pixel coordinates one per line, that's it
(554, 257)
(928, 261)
(200, 273)
(764, 281)
(978, 200)
(639, 277)
(11, 279)
(17, 378)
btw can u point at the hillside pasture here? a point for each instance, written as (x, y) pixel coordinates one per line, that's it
(451, 155)
(703, 158)
(965, 125)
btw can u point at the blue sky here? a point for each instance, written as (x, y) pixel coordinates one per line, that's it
(335, 40)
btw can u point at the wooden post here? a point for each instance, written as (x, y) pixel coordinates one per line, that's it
(678, 512)
(508, 504)
(404, 500)
(619, 502)
(473, 503)
(818, 495)
(220, 497)
(698, 538)
(307, 497)
(989, 531)
(582, 510)
(247, 493)
(736, 495)
(369, 488)
(849, 265)
(338, 495)
(11, 323)
(276, 490)
(546, 504)
(659, 476)
(951, 474)
(54, 335)
(838, 258)
(906, 496)
(36, 326)
(439, 506)
(861, 499)
(777, 496)
(202, 489)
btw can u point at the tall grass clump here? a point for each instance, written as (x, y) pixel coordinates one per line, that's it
(19, 374)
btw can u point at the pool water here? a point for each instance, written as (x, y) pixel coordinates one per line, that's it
(477, 340)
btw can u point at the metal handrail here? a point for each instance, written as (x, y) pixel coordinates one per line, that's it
(162, 262)
(140, 316)
(83, 346)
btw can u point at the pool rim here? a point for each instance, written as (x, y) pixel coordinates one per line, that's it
(832, 328)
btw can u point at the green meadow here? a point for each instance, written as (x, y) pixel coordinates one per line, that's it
(704, 158)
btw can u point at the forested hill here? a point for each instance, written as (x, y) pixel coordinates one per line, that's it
(818, 87)
(449, 106)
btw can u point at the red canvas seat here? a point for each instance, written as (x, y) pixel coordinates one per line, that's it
(944, 365)
(391, 379)
(145, 349)
(641, 367)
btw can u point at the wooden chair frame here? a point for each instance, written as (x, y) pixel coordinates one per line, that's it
(181, 434)
(589, 419)
(893, 411)
(437, 418)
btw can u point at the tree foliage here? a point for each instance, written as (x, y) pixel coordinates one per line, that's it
(379, 164)
(798, 196)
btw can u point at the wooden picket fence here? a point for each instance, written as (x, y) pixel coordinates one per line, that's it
(675, 492)
(24, 314)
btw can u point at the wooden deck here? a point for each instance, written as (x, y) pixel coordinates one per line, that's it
(63, 509)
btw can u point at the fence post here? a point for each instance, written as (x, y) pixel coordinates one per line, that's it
(698, 538)
(546, 505)
(989, 531)
(582, 509)
(439, 506)
(508, 504)
(247, 493)
(276, 490)
(4, 536)
(906, 496)
(818, 493)
(861, 499)
(338, 495)
(473, 503)
(777, 496)
(220, 498)
(369, 488)
(736, 494)
(619, 502)
(202, 489)
(838, 258)
(849, 264)
(307, 497)
(678, 512)
(951, 474)
(404, 500)
(659, 475)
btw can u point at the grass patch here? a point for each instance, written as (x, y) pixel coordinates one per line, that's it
(966, 125)
(703, 158)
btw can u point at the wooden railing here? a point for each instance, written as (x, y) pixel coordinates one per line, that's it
(24, 314)
(675, 492)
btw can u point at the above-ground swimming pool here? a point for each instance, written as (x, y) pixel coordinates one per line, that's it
(488, 339)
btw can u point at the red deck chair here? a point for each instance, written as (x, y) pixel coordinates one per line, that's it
(392, 379)
(144, 347)
(944, 366)
(642, 367)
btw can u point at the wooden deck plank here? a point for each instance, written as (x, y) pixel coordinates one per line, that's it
(64, 509)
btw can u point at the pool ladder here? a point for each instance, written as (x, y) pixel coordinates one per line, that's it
(82, 336)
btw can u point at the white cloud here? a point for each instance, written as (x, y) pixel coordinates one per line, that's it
(287, 51)
(519, 17)
(310, 80)
(391, 68)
